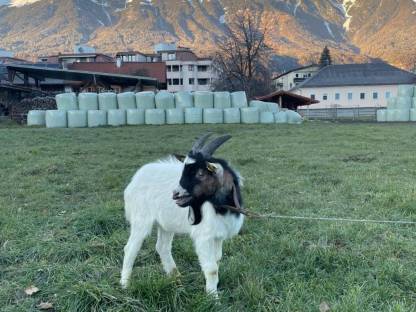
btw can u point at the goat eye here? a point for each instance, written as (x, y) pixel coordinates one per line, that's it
(200, 174)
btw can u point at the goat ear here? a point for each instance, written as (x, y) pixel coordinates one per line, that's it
(179, 157)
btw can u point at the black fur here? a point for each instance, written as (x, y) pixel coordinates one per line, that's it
(189, 180)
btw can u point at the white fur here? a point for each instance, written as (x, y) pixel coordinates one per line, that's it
(148, 201)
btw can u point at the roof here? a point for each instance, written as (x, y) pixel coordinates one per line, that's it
(275, 95)
(295, 69)
(358, 75)
(130, 53)
(79, 75)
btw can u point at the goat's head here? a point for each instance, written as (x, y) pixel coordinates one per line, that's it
(202, 176)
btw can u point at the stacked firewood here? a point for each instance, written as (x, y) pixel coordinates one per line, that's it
(19, 110)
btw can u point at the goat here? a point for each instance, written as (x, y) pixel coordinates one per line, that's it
(199, 206)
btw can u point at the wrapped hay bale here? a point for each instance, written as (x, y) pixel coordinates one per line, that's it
(273, 107)
(66, 101)
(266, 117)
(175, 116)
(293, 117)
(381, 115)
(222, 100)
(238, 99)
(391, 103)
(403, 102)
(231, 115)
(88, 101)
(165, 100)
(36, 118)
(77, 118)
(250, 115)
(116, 117)
(414, 102)
(392, 115)
(203, 99)
(155, 116)
(184, 99)
(135, 116)
(405, 90)
(262, 106)
(145, 100)
(193, 115)
(213, 116)
(55, 119)
(126, 100)
(413, 114)
(97, 118)
(107, 101)
(403, 115)
(281, 117)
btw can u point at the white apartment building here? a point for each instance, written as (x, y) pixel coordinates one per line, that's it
(294, 77)
(354, 85)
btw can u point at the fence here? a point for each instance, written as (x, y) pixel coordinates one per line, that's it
(336, 113)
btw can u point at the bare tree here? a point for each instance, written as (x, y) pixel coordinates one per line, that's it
(242, 56)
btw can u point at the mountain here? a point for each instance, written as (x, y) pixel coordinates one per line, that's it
(354, 30)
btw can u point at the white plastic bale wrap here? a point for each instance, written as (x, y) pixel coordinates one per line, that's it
(175, 116)
(250, 115)
(392, 115)
(55, 119)
(97, 118)
(135, 116)
(155, 116)
(213, 116)
(413, 114)
(381, 115)
(36, 118)
(266, 117)
(77, 118)
(66, 101)
(281, 117)
(126, 100)
(232, 115)
(403, 115)
(293, 117)
(222, 99)
(403, 102)
(116, 117)
(193, 115)
(273, 107)
(414, 102)
(405, 90)
(145, 100)
(203, 99)
(391, 103)
(238, 99)
(88, 101)
(107, 101)
(165, 100)
(184, 99)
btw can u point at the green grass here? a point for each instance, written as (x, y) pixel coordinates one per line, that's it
(62, 226)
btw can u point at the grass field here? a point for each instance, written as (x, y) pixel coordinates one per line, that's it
(62, 227)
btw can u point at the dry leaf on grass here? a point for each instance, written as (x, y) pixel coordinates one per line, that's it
(324, 307)
(31, 290)
(44, 306)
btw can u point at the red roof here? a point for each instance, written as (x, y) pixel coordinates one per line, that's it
(155, 70)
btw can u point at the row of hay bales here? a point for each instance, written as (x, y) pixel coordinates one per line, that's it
(92, 110)
(401, 108)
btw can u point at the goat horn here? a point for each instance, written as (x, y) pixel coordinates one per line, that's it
(199, 143)
(209, 149)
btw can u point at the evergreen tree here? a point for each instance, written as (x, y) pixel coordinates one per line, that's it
(325, 58)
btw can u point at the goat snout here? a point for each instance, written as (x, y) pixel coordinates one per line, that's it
(181, 196)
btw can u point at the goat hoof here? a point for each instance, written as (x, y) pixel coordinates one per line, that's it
(124, 283)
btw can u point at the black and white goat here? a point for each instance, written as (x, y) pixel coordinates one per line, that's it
(203, 188)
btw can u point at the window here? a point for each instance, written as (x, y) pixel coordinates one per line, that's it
(325, 97)
(362, 96)
(309, 75)
(375, 95)
(175, 68)
(305, 75)
(291, 85)
(191, 81)
(171, 56)
(313, 96)
(387, 95)
(203, 82)
(202, 68)
(175, 82)
(181, 82)
(169, 68)
(337, 96)
(349, 95)
(170, 82)
(297, 75)
(44, 60)
(190, 67)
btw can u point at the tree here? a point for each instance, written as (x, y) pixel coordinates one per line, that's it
(242, 56)
(325, 58)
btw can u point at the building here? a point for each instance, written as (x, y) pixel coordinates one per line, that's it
(64, 59)
(294, 77)
(354, 85)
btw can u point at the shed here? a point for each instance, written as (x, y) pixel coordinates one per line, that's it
(287, 99)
